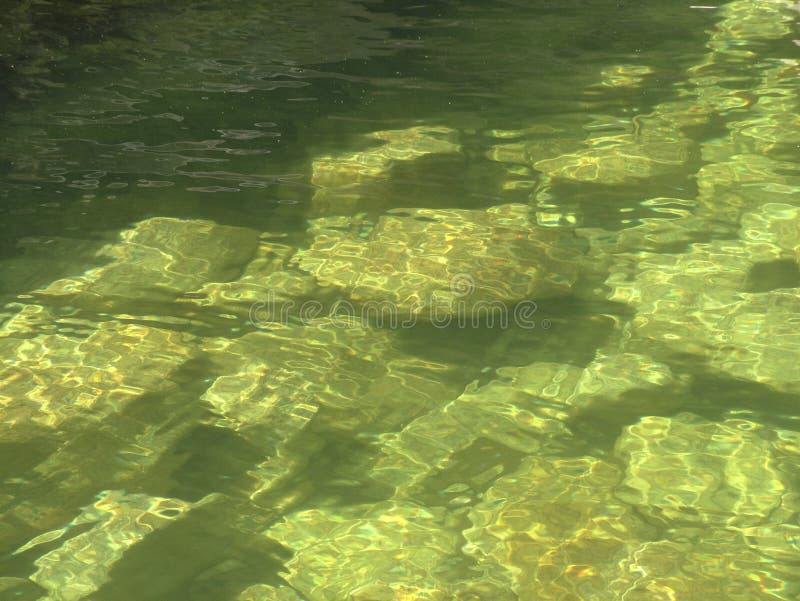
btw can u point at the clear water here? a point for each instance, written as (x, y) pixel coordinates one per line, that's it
(197, 200)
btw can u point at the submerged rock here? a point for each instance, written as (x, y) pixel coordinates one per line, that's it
(552, 529)
(727, 493)
(611, 388)
(268, 291)
(699, 510)
(687, 471)
(155, 262)
(625, 76)
(388, 551)
(615, 160)
(702, 565)
(518, 150)
(106, 529)
(334, 377)
(776, 225)
(394, 145)
(434, 264)
(54, 379)
(735, 185)
(524, 410)
(732, 304)
(758, 96)
(344, 180)
(431, 443)
(85, 404)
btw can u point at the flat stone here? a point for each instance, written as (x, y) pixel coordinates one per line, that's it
(157, 260)
(685, 470)
(110, 526)
(436, 264)
(552, 529)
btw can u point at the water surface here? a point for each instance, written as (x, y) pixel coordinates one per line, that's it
(379, 301)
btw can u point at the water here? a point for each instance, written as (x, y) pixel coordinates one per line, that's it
(374, 300)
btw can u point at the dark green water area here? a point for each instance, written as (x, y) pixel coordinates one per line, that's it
(392, 301)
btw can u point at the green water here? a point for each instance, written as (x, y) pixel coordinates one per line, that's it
(383, 301)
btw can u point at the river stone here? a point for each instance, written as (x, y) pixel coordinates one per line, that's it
(525, 410)
(729, 188)
(686, 470)
(157, 260)
(552, 529)
(437, 264)
(709, 565)
(617, 160)
(343, 181)
(54, 379)
(503, 411)
(730, 306)
(267, 291)
(342, 378)
(387, 551)
(106, 529)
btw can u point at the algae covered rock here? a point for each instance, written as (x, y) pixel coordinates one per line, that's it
(731, 304)
(157, 260)
(729, 188)
(267, 290)
(685, 470)
(275, 384)
(524, 410)
(552, 529)
(434, 264)
(383, 552)
(345, 180)
(715, 565)
(615, 160)
(104, 531)
(56, 378)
